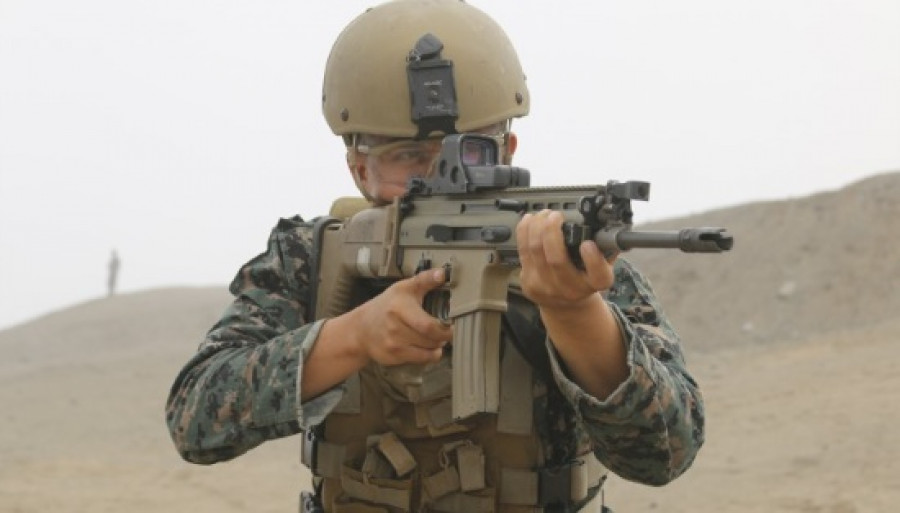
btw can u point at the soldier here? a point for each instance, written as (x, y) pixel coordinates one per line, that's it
(113, 274)
(592, 373)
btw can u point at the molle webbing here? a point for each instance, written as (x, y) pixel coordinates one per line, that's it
(389, 475)
(394, 493)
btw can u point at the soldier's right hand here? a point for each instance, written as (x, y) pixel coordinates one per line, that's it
(395, 329)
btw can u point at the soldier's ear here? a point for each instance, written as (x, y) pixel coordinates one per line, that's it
(350, 158)
(356, 165)
(359, 172)
(512, 142)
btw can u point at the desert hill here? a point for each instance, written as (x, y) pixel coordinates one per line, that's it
(800, 267)
(792, 337)
(103, 331)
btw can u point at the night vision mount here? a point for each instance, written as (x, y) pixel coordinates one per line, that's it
(432, 90)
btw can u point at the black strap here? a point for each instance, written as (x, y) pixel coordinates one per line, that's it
(523, 322)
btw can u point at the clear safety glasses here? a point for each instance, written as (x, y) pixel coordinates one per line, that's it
(406, 154)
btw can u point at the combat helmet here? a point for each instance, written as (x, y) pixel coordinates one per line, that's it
(408, 68)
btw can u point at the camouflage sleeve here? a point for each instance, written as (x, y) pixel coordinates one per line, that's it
(650, 428)
(242, 387)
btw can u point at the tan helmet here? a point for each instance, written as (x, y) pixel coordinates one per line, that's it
(367, 85)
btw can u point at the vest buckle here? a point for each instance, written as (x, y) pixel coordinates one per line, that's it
(308, 451)
(309, 503)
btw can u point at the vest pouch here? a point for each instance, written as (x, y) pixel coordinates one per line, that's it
(470, 462)
(481, 501)
(395, 494)
(440, 484)
(393, 450)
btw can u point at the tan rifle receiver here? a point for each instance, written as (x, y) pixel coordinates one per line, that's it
(463, 219)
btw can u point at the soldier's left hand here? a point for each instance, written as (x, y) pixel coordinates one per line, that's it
(548, 276)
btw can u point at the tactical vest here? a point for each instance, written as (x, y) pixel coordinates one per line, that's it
(391, 444)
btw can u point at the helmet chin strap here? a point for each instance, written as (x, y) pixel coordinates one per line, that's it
(510, 142)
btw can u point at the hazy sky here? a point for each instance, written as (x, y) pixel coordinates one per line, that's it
(178, 132)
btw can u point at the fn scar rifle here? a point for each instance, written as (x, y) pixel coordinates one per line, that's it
(462, 219)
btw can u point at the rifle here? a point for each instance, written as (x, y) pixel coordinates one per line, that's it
(462, 218)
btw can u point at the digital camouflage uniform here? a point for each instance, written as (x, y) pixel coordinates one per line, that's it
(243, 388)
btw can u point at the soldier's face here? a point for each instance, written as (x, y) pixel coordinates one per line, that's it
(390, 166)
(384, 166)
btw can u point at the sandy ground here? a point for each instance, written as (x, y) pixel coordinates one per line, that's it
(798, 420)
(797, 427)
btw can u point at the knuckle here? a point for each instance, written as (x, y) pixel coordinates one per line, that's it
(393, 332)
(557, 259)
(420, 322)
(390, 350)
(439, 333)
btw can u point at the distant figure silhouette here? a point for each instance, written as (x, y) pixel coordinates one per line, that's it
(114, 263)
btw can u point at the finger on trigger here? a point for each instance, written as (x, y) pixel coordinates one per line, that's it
(427, 280)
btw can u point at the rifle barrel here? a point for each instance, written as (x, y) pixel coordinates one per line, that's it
(688, 240)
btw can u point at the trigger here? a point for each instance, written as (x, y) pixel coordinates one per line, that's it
(423, 265)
